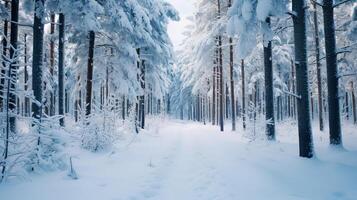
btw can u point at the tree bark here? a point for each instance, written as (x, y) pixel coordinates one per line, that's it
(347, 111)
(12, 73)
(354, 111)
(243, 96)
(52, 62)
(61, 39)
(318, 69)
(332, 74)
(4, 54)
(221, 90)
(142, 97)
(89, 86)
(26, 78)
(304, 121)
(269, 90)
(37, 60)
(214, 95)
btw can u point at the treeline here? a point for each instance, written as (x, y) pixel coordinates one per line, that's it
(89, 64)
(270, 61)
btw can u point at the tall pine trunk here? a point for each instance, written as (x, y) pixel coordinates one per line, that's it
(332, 73)
(2, 87)
(214, 93)
(318, 68)
(142, 97)
(304, 121)
(37, 60)
(26, 79)
(354, 111)
(269, 90)
(37, 67)
(12, 73)
(221, 86)
(243, 97)
(89, 86)
(231, 67)
(231, 71)
(4, 54)
(61, 39)
(52, 62)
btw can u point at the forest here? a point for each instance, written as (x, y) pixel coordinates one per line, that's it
(96, 102)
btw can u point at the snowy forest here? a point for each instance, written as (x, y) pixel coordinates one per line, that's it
(257, 101)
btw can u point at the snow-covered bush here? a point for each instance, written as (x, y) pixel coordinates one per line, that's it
(35, 148)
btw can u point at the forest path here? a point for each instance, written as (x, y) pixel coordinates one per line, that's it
(176, 160)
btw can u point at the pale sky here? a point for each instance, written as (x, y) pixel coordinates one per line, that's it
(186, 9)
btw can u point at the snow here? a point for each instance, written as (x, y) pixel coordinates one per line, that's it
(186, 160)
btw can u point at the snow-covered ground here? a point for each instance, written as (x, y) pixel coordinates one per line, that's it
(185, 160)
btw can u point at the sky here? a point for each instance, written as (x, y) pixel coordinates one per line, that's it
(175, 29)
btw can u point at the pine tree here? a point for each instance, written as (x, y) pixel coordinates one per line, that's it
(332, 74)
(12, 72)
(269, 93)
(304, 121)
(90, 67)
(61, 29)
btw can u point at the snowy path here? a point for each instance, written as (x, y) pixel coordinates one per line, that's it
(191, 161)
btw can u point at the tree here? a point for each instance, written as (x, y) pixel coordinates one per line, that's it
(52, 62)
(89, 85)
(244, 113)
(304, 122)
(12, 72)
(4, 51)
(231, 72)
(220, 73)
(37, 60)
(332, 73)
(318, 67)
(269, 93)
(61, 29)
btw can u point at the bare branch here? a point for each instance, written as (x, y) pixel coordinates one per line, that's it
(340, 3)
(292, 94)
(291, 13)
(20, 24)
(347, 74)
(317, 3)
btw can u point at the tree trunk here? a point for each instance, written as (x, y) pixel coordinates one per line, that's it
(137, 103)
(61, 39)
(312, 107)
(221, 90)
(243, 96)
(26, 79)
(4, 54)
(318, 68)
(214, 95)
(77, 103)
(269, 90)
(90, 73)
(227, 102)
(142, 97)
(304, 121)
(37, 60)
(231, 67)
(354, 111)
(332, 73)
(347, 111)
(123, 108)
(37, 64)
(2, 87)
(12, 73)
(52, 62)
